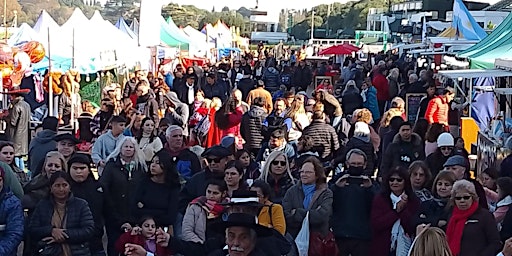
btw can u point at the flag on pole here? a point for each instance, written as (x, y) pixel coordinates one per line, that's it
(424, 30)
(465, 24)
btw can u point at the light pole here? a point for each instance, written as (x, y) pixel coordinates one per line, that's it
(312, 24)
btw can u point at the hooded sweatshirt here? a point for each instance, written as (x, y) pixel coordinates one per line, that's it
(104, 146)
(179, 116)
(39, 146)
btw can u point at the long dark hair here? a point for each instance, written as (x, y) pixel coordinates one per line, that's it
(171, 176)
(55, 176)
(404, 174)
(242, 184)
(139, 134)
(222, 116)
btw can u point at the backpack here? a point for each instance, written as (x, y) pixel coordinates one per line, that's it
(273, 123)
(202, 128)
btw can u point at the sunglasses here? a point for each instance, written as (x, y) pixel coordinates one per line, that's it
(458, 198)
(215, 160)
(446, 148)
(396, 179)
(282, 163)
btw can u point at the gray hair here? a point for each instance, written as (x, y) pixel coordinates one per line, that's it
(356, 151)
(172, 128)
(464, 185)
(350, 87)
(413, 77)
(138, 156)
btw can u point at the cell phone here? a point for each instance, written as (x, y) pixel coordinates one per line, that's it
(166, 229)
(355, 180)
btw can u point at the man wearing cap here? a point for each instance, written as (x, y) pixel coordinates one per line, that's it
(66, 144)
(43, 143)
(11, 220)
(146, 103)
(437, 109)
(459, 166)
(213, 88)
(261, 93)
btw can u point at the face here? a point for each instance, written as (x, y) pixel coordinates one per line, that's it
(457, 170)
(7, 154)
(237, 95)
(118, 128)
(175, 138)
(245, 159)
(53, 165)
(79, 172)
(278, 166)
(216, 163)
(450, 96)
(444, 188)
(162, 128)
(364, 86)
(276, 142)
(138, 121)
(446, 151)
(258, 191)
(210, 80)
(190, 80)
(199, 96)
(213, 193)
(418, 178)
(405, 132)
(280, 107)
(459, 143)
(232, 177)
(128, 149)
(239, 241)
(463, 199)
(155, 167)
(60, 189)
(148, 228)
(431, 91)
(487, 181)
(66, 147)
(307, 174)
(149, 126)
(397, 184)
(356, 160)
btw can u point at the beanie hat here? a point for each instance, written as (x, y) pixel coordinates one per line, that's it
(445, 140)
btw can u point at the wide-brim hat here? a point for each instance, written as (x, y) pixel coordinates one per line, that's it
(241, 220)
(66, 136)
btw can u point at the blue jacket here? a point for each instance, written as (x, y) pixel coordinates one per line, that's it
(11, 215)
(371, 102)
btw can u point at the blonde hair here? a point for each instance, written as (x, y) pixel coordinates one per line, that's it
(268, 162)
(207, 103)
(388, 115)
(138, 156)
(398, 103)
(431, 242)
(58, 155)
(363, 115)
(296, 109)
(216, 103)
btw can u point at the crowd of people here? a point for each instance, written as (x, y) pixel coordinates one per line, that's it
(241, 157)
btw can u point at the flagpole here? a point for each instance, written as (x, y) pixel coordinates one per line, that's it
(50, 80)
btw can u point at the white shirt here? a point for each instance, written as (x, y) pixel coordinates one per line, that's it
(190, 94)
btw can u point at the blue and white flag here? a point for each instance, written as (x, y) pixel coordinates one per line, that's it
(465, 24)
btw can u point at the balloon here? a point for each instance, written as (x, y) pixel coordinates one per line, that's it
(35, 51)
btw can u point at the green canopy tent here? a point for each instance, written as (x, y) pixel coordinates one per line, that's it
(171, 37)
(496, 45)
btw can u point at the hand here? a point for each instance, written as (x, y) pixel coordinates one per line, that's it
(126, 227)
(48, 240)
(170, 109)
(59, 235)
(400, 206)
(136, 231)
(342, 181)
(101, 163)
(162, 238)
(507, 248)
(421, 227)
(134, 249)
(61, 121)
(367, 182)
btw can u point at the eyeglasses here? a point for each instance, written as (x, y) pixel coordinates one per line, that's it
(446, 148)
(282, 163)
(396, 179)
(215, 160)
(458, 198)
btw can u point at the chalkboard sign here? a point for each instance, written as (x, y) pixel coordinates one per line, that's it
(412, 105)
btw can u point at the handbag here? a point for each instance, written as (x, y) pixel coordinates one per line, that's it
(45, 249)
(303, 240)
(319, 245)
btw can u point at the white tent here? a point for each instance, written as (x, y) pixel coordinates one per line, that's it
(25, 33)
(200, 40)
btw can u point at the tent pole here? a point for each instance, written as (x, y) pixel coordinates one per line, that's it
(50, 82)
(73, 49)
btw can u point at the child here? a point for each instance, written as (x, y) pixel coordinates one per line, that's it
(203, 210)
(143, 235)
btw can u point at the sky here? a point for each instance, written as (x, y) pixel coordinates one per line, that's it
(265, 5)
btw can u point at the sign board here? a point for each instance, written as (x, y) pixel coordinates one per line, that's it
(412, 105)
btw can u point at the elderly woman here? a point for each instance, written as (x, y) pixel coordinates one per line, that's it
(312, 196)
(392, 213)
(276, 172)
(471, 230)
(125, 167)
(62, 224)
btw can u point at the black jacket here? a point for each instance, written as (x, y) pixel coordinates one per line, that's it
(251, 127)
(350, 102)
(119, 190)
(181, 90)
(91, 191)
(325, 139)
(352, 206)
(435, 161)
(219, 89)
(79, 224)
(431, 212)
(401, 153)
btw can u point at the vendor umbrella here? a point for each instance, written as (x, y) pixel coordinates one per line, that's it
(341, 49)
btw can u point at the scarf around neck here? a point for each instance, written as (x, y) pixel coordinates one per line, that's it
(309, 191)
(400, 242)
(456, 226)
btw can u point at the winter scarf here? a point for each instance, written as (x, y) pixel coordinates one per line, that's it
(308, 190)
(213, 212)
(400, 242)
(456, 226)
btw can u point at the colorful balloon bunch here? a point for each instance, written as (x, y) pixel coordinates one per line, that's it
(16, 61)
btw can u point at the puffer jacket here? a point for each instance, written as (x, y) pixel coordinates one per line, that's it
(180, 114)
(437, 111)
(250, 127)
(320, 209)
(325, 139)
(11, 215)
(401, 153)
(79, 224)
(271, 79)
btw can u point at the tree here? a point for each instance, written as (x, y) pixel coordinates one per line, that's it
(225, 9)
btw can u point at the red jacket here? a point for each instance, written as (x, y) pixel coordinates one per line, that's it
(381, 84)
(139, 239)
(437, 111)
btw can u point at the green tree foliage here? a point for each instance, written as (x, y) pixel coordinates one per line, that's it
(60, 10)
